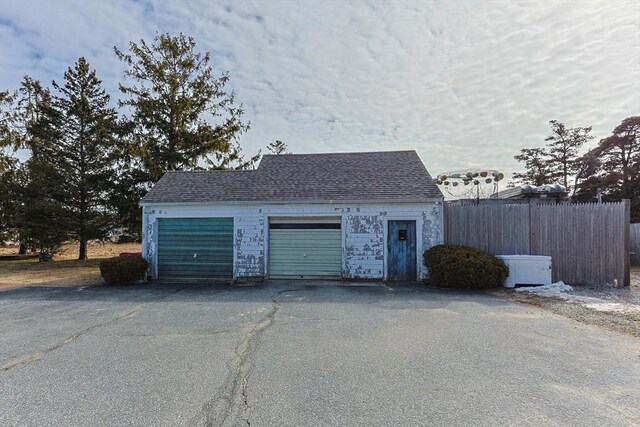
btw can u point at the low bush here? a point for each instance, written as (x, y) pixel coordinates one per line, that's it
(461, 267)
(123, 270)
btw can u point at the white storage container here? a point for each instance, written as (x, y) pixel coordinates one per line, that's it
(527, 270)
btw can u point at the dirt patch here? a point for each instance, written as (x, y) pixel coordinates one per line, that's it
(64, 270)
(635, 278)
(617, 309)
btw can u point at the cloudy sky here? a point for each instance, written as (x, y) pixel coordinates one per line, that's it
(464, 83)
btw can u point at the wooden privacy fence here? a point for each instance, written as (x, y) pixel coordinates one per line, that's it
(635, 244)
(588, 243)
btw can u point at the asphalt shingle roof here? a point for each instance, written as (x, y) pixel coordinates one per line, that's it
(387, 175)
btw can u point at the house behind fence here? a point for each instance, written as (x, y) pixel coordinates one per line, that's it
(635, 244)
(588, 243)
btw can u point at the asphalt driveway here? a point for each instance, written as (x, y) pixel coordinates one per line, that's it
(295, 353)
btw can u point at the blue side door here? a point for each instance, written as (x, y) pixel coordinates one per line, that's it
(401, 250)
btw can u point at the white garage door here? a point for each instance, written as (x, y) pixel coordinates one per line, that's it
(305, 247)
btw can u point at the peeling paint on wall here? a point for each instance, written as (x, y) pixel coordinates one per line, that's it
(150, 240)
(431, 229)
(431, 233)
(249, 242)
(364, 247)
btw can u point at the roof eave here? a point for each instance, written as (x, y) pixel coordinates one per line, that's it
(289, 202)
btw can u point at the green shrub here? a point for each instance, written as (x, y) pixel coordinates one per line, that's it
(123, 270)
(461, 267)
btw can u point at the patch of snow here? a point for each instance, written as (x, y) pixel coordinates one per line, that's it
(547, 290)
(559, 290)
(606, 306)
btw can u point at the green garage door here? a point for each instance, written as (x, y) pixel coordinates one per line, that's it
(309, 248)
(195, 248)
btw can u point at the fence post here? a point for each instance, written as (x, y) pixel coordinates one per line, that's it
(445, 222)
(627, 242)
(533, 227)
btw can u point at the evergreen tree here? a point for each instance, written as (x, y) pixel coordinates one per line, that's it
(620, 155)
(182, 116)
(7, 163)
(6, 142)
(536, 167)
(588, 179)
(130, 185)
(7, 229)
(563, 147)
(19, 113)
(40, 216)
(619, 164)
(559, 161)
(24, 197)
(77, 133)
(278, 147)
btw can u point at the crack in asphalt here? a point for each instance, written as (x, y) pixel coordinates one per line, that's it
(41, 354)
(230, 406)
(172, 334)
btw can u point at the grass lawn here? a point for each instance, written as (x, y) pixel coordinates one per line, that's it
(64, 270)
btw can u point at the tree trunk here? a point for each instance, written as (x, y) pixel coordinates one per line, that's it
(22, 250)
(83, 248)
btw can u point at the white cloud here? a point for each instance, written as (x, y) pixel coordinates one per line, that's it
(463, 83)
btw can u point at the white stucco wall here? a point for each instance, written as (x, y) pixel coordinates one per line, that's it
(364, 232)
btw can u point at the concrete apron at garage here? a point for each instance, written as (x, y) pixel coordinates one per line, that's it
(328, 283)
(266, 283)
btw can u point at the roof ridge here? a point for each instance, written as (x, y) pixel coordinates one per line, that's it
(214, 170)
(340, 153)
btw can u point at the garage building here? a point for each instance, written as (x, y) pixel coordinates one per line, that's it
(310, 216)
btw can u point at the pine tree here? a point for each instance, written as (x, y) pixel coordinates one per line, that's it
(182, 116)
(620, 154)
(19, 113)
(536, 167)
(563, 147)
(6, 205)
(6, 140)
(25, 190)
(40, 216)
(278, 147)
(7, 163)
(619, 164)
(77, 131)
(559, 160)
